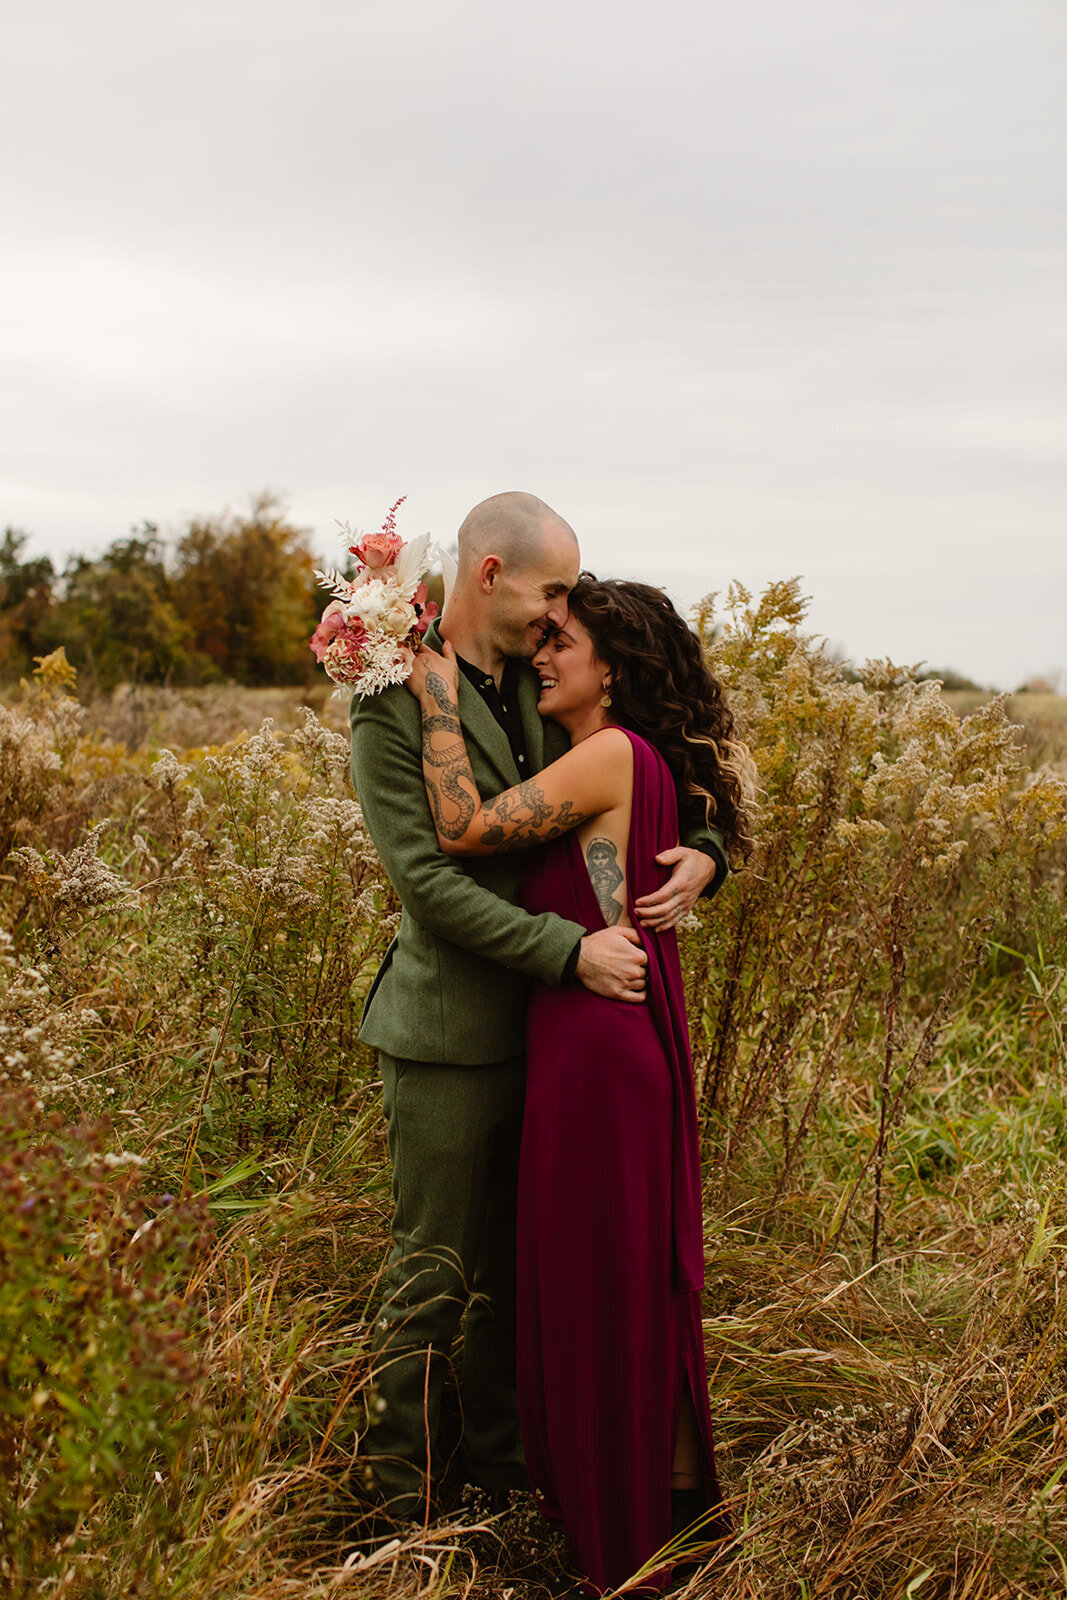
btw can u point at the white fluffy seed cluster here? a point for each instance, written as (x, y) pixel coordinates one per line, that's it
(168, 772)
(65, 718)
(38, 1038)
(908, 779)
(76, 881)
(27, 754)
(290, 823)
(319, 746)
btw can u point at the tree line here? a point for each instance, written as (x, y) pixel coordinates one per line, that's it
(233, 598)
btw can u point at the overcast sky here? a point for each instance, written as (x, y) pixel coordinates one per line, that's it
(742, 290)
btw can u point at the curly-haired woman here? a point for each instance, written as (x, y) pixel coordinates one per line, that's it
(612, 1379)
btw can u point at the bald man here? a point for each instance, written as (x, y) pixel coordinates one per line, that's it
(446, 1012)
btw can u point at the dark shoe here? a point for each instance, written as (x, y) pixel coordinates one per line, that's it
(697, 1523)
(695, 1527)
(687, 1505)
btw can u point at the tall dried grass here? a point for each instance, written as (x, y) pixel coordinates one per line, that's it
(194, 912)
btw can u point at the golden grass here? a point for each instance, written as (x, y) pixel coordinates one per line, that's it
(891, 1430)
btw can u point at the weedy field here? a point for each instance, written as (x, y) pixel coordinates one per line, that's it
(194, 1194)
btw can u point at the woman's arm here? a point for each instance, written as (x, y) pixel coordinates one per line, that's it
(593, 777)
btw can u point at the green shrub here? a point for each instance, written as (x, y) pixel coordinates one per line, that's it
(99, 1373)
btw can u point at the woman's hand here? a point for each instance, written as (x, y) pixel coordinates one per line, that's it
(437, 680)
(434, 678)
(432, 675)
(415, 681)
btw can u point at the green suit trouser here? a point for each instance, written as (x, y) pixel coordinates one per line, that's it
(454, 1135)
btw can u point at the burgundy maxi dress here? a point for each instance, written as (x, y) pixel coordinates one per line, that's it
(610, 1255)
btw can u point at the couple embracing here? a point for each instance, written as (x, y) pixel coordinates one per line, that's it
(552, 789)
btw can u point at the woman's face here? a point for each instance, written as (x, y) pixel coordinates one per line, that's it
(571, 673)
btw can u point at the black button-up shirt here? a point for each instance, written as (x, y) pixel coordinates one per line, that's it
(504, 704)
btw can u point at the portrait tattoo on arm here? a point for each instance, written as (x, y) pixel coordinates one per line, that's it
(605, 874)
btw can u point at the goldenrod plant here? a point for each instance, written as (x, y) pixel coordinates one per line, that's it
(192, 913)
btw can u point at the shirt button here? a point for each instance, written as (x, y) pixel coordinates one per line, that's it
(522, 758)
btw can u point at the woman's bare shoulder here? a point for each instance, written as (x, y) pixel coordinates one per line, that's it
(607, 747)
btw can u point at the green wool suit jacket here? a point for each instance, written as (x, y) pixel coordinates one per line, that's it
(455, 981)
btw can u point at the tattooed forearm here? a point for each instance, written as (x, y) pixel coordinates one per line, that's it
(443, 755)
(515, 820)
(522, 818)
(452, 797)
(438, 690)
(567, 817)
(432, 724)
(446, 770)
(605, 874)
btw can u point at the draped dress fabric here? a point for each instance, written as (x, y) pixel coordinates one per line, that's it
(610, 1255)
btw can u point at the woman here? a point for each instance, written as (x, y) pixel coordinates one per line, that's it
(612, 1381)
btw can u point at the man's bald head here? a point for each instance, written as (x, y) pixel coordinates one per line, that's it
(513, 526)
(518, 562)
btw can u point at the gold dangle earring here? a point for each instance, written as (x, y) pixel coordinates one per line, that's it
(605, 698)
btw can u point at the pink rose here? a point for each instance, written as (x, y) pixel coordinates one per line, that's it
(377, 550)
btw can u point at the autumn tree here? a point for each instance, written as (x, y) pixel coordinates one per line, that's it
(26, 594)
(117, 617)
(244, 586)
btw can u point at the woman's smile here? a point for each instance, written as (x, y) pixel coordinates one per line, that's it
(568, 671)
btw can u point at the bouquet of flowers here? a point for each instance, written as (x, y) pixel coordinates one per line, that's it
(375, 621)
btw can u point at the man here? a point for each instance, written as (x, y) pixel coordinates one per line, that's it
(447, 1009)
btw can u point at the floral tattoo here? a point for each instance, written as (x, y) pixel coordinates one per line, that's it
(522, 817)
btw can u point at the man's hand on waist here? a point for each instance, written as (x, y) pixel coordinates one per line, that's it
(691, 873)
(612, 963)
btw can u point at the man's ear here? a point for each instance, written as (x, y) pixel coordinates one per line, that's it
(488, 572)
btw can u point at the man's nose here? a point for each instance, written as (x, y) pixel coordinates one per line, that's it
(541, 653)
(557, 612)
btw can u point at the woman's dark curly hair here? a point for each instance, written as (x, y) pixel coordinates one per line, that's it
(662, 688)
